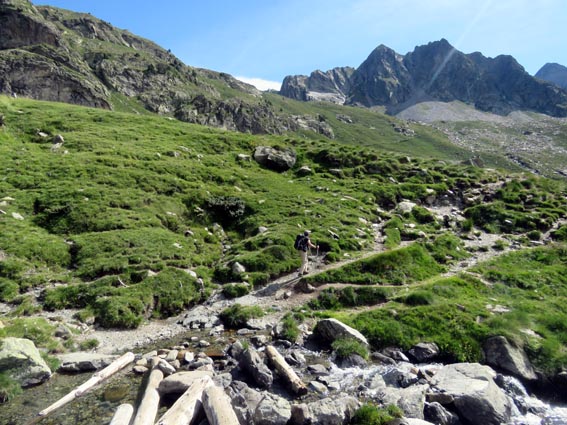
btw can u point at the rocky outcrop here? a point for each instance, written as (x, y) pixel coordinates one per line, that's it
(502, 355)
(331, 86)
(434, 72)
(20, 358)
(471, 389)
(553, 73)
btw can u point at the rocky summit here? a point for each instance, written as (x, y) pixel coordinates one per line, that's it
(433, 72)
(554, 73)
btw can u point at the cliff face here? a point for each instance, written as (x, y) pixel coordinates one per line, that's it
(57, 55)
(437, 71)
(332, 85)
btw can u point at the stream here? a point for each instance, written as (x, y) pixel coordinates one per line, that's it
(98, 406)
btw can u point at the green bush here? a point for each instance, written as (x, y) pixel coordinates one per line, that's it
(237, 315)
(235, 290)
(8, 290)
(226, 209)
(369, 414)
(344, 347)
(418, 298)
(290, 328)
(119, 312)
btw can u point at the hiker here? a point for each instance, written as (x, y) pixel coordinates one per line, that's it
(303, 245)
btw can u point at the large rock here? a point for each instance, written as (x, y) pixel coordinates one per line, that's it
(424, 352)
(476, 397)
(180, 381)
(252, 362)
(275, 159)
(327, 411)
(411, 400)
(83, 362)
(272, 410)
(332, 329)
(500, 354)
(23, 362)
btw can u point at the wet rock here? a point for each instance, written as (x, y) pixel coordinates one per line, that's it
(499, 353)
(252, 362)
(331, 410)
(400, 377)
(317, 370)
(476, 397)
(436, 413)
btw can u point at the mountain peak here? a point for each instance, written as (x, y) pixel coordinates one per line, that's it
(553, 73)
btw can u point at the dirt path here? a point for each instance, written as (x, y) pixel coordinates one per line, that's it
(279, 296)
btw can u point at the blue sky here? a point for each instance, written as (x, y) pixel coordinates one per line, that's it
(269, 39)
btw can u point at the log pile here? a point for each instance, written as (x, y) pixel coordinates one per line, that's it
(177, 372)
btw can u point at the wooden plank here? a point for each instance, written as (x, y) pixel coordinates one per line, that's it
(148, 408)
(187, 407)
(123, 415)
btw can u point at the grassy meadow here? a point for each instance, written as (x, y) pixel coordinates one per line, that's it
(137, 216)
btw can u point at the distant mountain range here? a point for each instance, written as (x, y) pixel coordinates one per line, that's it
(53, 54)
(434, 72)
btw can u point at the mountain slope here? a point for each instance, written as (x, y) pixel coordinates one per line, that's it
(554, 73)
(437, 71)
(58, 55)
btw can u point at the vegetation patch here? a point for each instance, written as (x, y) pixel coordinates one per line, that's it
(237, 315)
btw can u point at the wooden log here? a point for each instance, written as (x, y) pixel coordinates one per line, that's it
(98, 377)
(217, 407)
(123, 415)
(286, 371)
(187, 407)
(148, 408)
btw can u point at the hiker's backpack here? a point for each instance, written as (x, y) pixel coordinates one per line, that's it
(300, 242)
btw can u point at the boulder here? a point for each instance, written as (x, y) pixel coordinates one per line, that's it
(500, 354)
(244, 401)
(252, 362)
(327, 411)
(476, 397)
(272, 410)
(274, 159)
(331, 329)
(83, 362)
(411, 400)
(20, 358)
(436, 413)
(424, 352)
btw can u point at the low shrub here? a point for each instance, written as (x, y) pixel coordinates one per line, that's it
(369, 414)
(290, 331)
(344, 347)
(235, 290)
(9, 388)
(418, 298)
(237, 315)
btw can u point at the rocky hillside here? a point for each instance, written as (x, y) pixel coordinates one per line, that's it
(53, 54)
(436, 71)
(554, 73)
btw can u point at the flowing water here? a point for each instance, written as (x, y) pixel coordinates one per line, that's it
(98, 406)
